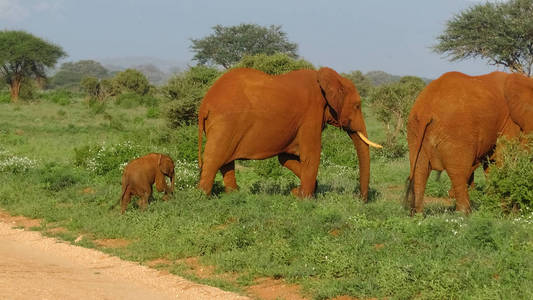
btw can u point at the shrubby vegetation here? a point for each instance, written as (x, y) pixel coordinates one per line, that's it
(129, 89)
(185, 92)
(130, 81)
(15, 164)
(70, 74)
(102, 159)
(392, 104)
(510, 179)
(274, 64)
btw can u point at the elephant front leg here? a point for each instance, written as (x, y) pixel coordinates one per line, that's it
(228, 175)
(309, 162)
(143, 202)
(292, 162)
(161, 186)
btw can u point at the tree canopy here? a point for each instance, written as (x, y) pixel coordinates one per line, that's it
(274, 64)
(23, 55)
(500, 32)
(228, 45)
(71, 73)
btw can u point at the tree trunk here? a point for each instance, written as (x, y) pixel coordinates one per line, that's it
(15, 89)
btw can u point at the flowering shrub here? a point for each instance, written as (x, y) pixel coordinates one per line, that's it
(186, 174)
(102, 159)
(15, 164)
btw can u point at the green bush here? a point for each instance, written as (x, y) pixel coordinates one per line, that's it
(55, 177)
(60, 96)
(5, 97)
(391, 151)
(392, 104)
(274, 64)
(152, 112)
(510, 179)
(91, 86)
(97, 107)
(28, 90)
(131, 81)
(186, 91)
(130, 100)
(102, 159)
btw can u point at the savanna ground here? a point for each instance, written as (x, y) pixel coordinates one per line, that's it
(61, 160)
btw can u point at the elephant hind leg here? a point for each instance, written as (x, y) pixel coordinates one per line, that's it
(228, 174)
(460, 169)
(218, 150)
(420, 178)
(125, 200)
(460, 182)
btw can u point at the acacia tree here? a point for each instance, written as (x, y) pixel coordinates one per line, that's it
(23, 55)
(228, 45)
(500, 32)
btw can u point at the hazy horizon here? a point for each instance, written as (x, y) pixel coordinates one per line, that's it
(395, 37)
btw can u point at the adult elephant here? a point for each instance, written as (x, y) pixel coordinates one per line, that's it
(248, 114)
(454, 125)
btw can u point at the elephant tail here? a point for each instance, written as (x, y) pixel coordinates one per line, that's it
(420, 133)
(124, 190)
(202, 116)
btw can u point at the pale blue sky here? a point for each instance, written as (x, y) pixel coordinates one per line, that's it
(389, 35)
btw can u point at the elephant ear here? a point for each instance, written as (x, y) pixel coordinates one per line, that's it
(166, 165)
(518, 92)
(331, 85)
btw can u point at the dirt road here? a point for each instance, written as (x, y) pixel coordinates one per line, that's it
(37, 267)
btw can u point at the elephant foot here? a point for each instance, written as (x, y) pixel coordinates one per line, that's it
(229, 189)
(451, 193)
(297, 192)
(463, 208)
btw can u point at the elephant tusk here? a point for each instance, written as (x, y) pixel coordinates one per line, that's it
(366, 140)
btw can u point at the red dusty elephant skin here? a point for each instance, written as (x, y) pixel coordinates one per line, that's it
(141, 173)
(454, 125)
(248, 114)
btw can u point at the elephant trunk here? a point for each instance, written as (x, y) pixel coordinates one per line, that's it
(363, 154)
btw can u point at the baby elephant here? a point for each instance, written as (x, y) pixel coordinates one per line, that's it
(141, 173)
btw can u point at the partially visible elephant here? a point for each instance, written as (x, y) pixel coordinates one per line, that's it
(454, 125)
(248, 114)
(141, 173)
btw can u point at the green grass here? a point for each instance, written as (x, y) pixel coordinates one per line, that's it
(331, 245)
